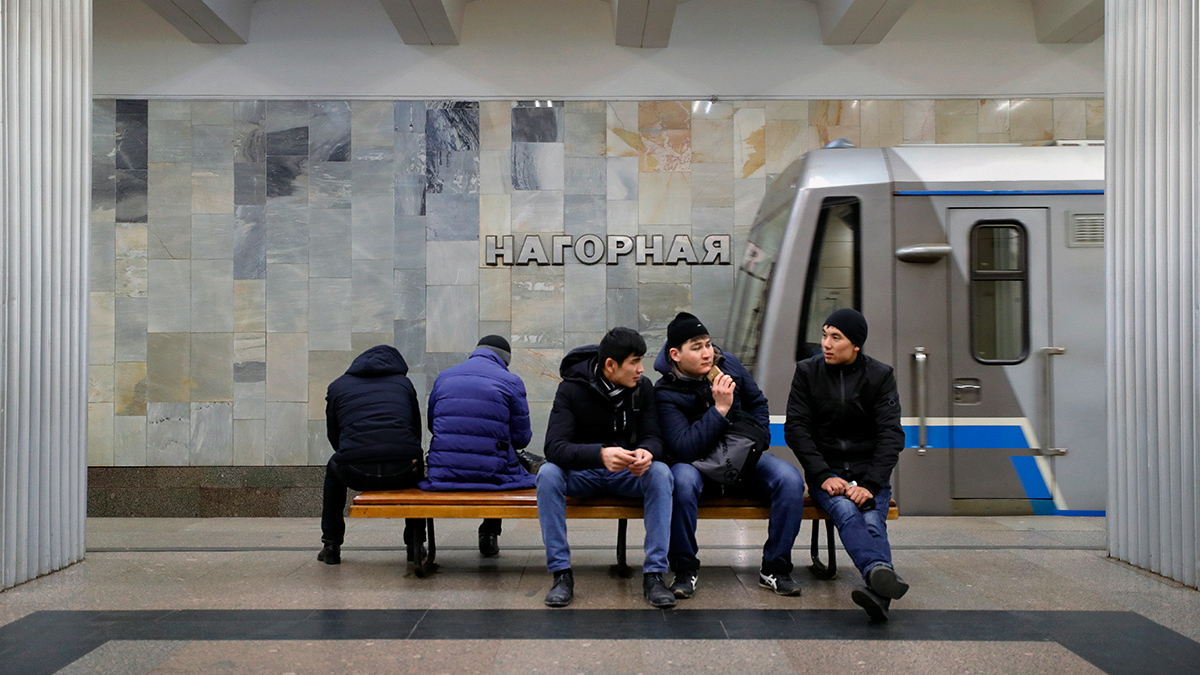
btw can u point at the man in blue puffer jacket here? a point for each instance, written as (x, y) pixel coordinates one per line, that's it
(479, 418)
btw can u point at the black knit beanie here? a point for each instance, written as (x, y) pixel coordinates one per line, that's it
(498, 345)
(851, 323)
(682, 328)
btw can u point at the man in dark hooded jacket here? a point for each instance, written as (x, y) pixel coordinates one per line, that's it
(374, 425)
(479, 419)
(602, 438)
(843, 423)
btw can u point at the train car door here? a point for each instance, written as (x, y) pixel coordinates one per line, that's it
(999, 341)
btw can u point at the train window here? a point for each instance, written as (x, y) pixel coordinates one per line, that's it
(833, 270)
(999, 302)
(754, 285)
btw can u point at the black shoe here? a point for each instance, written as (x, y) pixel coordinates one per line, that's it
(884, 581)
(563, 589)
(656, 591)
(684, 585)
(782, 584)
(876, 605)
(331, 554)
(530, 461)
(489, 545)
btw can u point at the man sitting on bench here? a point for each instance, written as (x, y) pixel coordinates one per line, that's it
(602, 439)
(843, 423)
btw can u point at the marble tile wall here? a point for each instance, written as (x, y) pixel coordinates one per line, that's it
(243, 252)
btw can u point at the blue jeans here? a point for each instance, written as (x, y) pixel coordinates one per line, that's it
(864, 535)
(774, 478)
(555, 484)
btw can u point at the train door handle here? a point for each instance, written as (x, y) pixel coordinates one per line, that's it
(1048, 445)
(920, 366)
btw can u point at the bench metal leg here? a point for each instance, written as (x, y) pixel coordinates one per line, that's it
(821, 570)
(622, 567)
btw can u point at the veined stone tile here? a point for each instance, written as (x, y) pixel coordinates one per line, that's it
(129, 440)
(250, 242)
(169, 238)
(132, 267)
(168, 367)
(585, 176)
(658, 304)
(249, 183)
(1031, 120)
(409, 117)
(212, 190)
(169, 191)
(213, 145)
(130, 392)
(993, 115)
(287, 233)
(160, 109)
(410, 195)
(250, 305)
(956, 129)
(287, 434)
(104, 185)
(665, 198)
(585, 134)
(372, 227)
(712, 185)
(131, 135)
(212, 236)
(656, 115)
(329, 322)
(372, 178)
(130, 328)
(622, 178)
(750, 143)
(104, 116)
(501, 328)
(249, 442)
(212, 112)
(168, 433)
(891, 123)
(622, 136)
(622, 308)
(537, 211)
(373, 129)
(287, 142)
(131, 204)
(211, 367)
(748, 194)
(537, 125)
(579, 338)
(373, 304)
(452, 217)
(826, 135)
(101, 383)
(329, 131)
(495, 217)
(452, 128)
(495, 172)
(410, 236)
(249, 143)
(250, 400)
(538, 311)
(211, 434)
(584, 298)
(956, 106)
(170, 303)
(249, 357)
(451, 263)
(330, 238)
(495, 294)
(711, 220)
(715, 110)
(249, 112)
(833, 113)
(788, 110)
(409, 151)
(1070, 118)
(622, 275)
(919, 121)
(453, 173)
(329, 185)
(409, 338)
(323, 368)
(538, 368)
(495, 125)
(451, 327)
(212, 296)
(287, 298)
(787, 141)
(583, 107)
(100, 434)
(994, 138)
(170, 141)
(623, 217)
(662, 273)
(712, 288)
(1094, 117)
(287, 180)
(102, 256)
(287, 367)
(584, 214)
(319, 449)
(538, 166)
(669, 150)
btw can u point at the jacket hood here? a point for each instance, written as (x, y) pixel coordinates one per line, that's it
(378, 361)
(579, 363)
(662, 362)
(490, 355)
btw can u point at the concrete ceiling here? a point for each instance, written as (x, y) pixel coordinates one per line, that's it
(636, 23)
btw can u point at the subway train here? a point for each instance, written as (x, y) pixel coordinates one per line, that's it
(980, 270)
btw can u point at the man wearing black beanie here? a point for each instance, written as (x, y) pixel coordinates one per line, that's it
(843, 423)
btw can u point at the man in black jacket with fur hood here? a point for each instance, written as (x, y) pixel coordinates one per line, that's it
(602, 438)
(843, 423)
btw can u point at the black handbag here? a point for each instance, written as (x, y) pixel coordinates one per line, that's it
(736, 455)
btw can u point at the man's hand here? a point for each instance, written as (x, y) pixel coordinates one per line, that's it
(722, 390)
(858, 494)
(835, 486)
(641, 461)
(616, 458)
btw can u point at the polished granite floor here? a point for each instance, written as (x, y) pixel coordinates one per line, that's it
(989, 595)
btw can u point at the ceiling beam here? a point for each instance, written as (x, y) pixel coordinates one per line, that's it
(643, 23)
(217, 22)
(1063, 21)
(427, 22)
(858, 22)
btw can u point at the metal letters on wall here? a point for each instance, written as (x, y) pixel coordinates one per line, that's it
(590, 249)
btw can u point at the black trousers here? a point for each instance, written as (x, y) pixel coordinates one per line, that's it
(363, 477)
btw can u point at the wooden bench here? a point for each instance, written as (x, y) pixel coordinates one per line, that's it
(414, 503)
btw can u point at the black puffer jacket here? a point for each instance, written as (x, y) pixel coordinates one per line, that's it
(371, 412)
(845, 421)
(584, 418)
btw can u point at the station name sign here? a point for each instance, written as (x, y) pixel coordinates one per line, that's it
(590, 249)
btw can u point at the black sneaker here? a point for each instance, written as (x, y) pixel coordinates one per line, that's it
(782, 584)
(489, 545)
(875, 605)
(530, 461)
(684, 585)
(331, 554)
(563, 590)
(884, 581)
(656, 591)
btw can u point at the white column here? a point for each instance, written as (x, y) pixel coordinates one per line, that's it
(45, 187)
(1152, 48)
